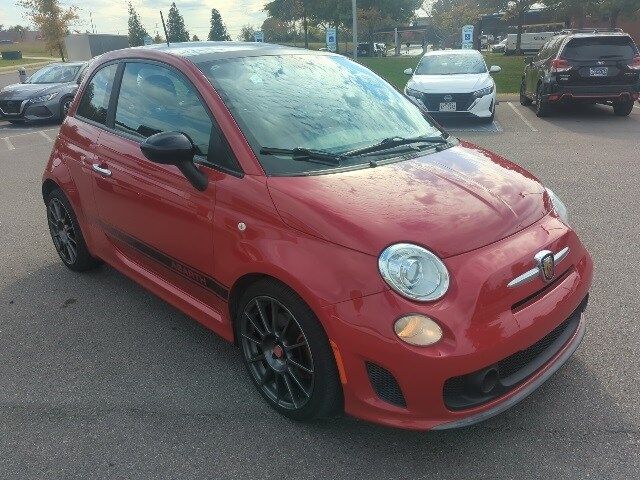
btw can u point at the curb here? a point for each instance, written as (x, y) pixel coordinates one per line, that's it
(14, 68)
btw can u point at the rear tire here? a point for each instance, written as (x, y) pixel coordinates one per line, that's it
(66, 234)
(623, 109)
(286, 352)
(524, 100)
(542, 106)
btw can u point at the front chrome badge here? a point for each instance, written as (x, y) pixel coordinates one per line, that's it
(546, 265)
(545, 268)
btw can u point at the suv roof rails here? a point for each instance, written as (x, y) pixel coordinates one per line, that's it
(592, 30)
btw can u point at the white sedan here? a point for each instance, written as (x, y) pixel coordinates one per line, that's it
(454, 82)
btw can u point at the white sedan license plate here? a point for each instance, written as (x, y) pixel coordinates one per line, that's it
(448, 107)
(599, 71)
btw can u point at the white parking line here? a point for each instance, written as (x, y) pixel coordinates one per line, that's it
(43, 134)
(526, 122)
(9, 144)
(31, 133)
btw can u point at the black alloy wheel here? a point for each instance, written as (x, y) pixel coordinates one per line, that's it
(542, 105)
(277, 352)
(524, 100)
(287, 353)
(66, 234)
(62, 232)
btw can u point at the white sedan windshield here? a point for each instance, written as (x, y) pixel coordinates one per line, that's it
(451, 64)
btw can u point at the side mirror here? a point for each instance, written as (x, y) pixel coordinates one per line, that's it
(495, 69)
(408, 71)
(175, 148)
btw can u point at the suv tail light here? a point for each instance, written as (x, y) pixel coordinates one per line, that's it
(635, 63)
(560, 65)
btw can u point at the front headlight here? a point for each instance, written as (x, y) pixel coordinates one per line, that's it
(412, 93)
(414, 272)
(559, 206)
(43, 98)
(482, 92)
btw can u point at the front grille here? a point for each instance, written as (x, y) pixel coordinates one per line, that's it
(484, 385)
(385, 385)
(10, 106)
(433, 100)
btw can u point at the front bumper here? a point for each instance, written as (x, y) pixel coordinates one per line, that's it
(30, 112)
(468, 107)
(484, 322)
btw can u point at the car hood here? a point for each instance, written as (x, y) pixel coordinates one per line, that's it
(450, 202)
(22, 91)
(450, 83)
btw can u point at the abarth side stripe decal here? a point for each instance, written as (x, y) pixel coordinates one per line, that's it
(176, 266)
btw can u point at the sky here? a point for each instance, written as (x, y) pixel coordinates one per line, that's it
(110, 16)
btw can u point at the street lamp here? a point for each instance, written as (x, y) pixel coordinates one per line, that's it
(354, 11)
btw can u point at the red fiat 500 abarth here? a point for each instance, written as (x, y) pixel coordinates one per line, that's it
(293, 202)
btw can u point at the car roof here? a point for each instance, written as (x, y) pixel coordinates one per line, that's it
(595, 33)
(206, 51)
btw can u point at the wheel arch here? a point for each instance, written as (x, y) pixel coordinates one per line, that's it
(49, 186)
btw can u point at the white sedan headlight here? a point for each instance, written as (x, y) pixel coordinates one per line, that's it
(483, 92)
(414, 272)
(559, 206)
(412, 92)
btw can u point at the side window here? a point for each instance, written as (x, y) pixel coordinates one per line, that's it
(155, 99)
(95, 99)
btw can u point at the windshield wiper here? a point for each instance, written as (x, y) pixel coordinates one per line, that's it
(394, 142)
(304, 155)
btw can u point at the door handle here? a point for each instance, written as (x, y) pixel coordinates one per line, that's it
(105, 172)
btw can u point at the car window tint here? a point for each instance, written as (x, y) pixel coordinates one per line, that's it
(95, 99)
(156, 99)
(596, 48)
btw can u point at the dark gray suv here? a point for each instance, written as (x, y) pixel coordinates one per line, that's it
(583, 66)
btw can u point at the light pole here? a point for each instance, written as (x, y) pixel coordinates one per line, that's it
(354, 11)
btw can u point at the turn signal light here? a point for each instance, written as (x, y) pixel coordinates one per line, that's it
(635, 63)
(418, 330)
(560, 65)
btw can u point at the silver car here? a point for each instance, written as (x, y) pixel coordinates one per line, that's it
(46, 95)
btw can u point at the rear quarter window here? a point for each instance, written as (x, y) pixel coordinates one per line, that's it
(95, 98)
(598, 48)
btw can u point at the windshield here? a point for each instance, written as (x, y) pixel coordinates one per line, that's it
(55, 74)
(451, 64)
(317, 102)
(599, 48)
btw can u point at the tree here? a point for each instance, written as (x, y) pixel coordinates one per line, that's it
(176, 30)
(516, 9)
(451, 15)
(289, 12)
(247, 33)
(617, 8)
(51, 19)
(137, 32)
(217, 31)
(158, 39)
(195, 38)
(574, 11)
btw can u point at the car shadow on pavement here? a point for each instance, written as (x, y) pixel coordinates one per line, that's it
(86, 344)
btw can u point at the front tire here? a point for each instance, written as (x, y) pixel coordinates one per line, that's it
(65, 104)
(66, 234)
(287, 352)
(623, 109)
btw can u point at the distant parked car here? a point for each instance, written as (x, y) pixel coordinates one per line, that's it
(455, 83)
(588, 67)
(529, 43)
(372, 50)
(499, 47)
(6, 42)
(46, 95)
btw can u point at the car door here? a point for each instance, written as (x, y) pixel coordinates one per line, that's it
(79, 137)
(152, 217)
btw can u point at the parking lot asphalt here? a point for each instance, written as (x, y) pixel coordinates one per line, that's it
(101, 379)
